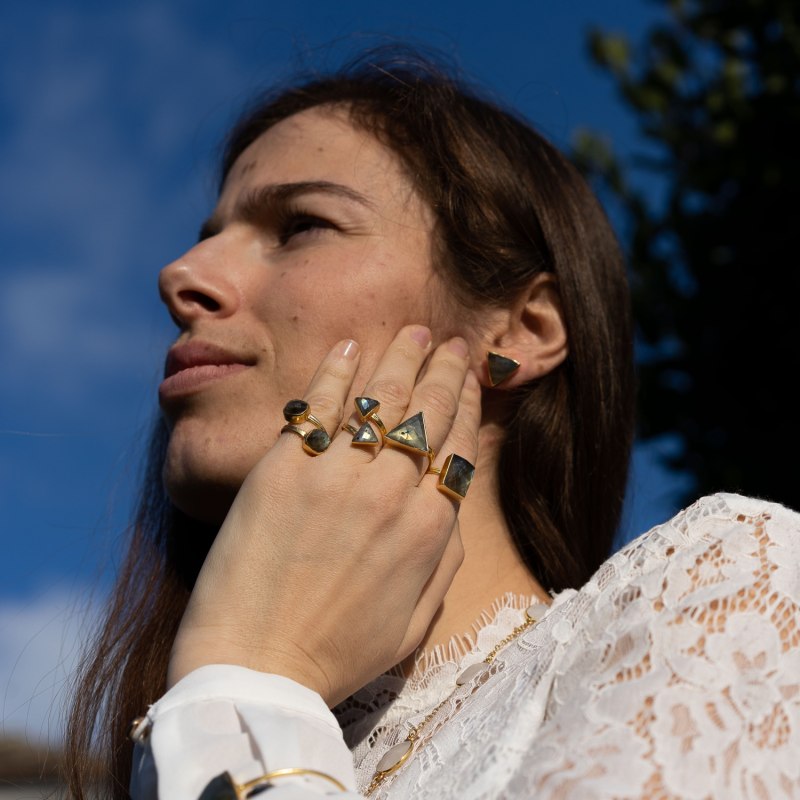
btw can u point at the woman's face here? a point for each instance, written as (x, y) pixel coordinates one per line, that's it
(318, 236)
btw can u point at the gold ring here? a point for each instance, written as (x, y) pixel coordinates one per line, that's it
(368, 409)
(314, 442)
(455, 476)
(410, 435)
(364, 436)
(297, 411)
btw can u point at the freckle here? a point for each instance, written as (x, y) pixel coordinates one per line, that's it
(294, 318)
(383, 323)
(283, 274)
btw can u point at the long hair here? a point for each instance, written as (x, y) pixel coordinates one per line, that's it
(508, 206)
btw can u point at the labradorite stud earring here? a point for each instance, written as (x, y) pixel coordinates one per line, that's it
(500, 367)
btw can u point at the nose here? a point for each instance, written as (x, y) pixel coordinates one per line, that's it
(195, 287)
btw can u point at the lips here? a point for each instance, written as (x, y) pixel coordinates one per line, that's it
(191, 365)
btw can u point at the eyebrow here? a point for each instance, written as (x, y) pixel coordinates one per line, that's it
(259, 202)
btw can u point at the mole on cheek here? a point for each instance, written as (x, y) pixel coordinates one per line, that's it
(294, 318)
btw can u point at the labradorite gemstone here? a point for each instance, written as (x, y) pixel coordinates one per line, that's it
(366, 405)
(365, 435)
(219, 788)
(457, 475)
(294, 409)
(411, 433)
(501, 367)
(317, 440)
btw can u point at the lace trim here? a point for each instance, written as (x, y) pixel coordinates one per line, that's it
(460, 646)
(392, 703)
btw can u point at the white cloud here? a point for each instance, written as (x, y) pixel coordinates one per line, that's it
(40, 641)
(101, 185)
(67, 333)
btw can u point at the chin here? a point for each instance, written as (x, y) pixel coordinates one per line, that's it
(206, 502)
(204, 469)
(203, 488)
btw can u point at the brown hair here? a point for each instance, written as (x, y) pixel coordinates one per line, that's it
(508, 206)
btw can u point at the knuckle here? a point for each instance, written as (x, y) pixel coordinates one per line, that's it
(390, 392)
(439, 399)
(325, 405)
(333, 371)
(463, 439)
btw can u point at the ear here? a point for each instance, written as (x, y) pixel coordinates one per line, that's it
(530, 331)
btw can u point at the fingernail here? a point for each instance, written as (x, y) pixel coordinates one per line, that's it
(458, 346)
(347, 349)
(421, 335)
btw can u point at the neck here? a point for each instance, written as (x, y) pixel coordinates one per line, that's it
(492, 566)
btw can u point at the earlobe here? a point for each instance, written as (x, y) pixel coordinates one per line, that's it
(529, 339)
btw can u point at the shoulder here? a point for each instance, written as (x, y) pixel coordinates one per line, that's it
(686, 644)
(716, 516)
(721, 533)
(719, 558)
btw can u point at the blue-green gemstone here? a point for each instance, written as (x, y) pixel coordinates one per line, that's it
(411, 433)
(457, 475)
(365, 435)
(294, 409)
(317, 440)
(365, 406)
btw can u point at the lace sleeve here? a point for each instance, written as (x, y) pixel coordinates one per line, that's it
(687, 685)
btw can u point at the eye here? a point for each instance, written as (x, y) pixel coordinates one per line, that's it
(299, 224)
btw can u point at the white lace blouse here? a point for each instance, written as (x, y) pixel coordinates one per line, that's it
(673, 673)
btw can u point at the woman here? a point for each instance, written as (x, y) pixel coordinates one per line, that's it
(384, 235)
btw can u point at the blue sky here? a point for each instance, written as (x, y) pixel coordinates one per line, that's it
(109, 122)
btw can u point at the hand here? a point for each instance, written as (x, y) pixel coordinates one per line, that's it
(329, 569)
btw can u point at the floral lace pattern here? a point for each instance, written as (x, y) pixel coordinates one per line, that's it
(673, 673)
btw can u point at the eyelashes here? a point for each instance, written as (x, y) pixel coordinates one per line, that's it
(293, 223)
(284, 222)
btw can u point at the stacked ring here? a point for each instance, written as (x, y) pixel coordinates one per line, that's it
(297, 411)
(314, 442)
(455, 476)
(410, 435)
(367, 410)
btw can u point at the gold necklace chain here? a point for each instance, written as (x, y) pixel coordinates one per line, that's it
(396, 756)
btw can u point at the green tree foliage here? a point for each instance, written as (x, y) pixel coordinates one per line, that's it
(714, 259)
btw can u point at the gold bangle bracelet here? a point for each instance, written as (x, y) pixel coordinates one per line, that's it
(224, 787)
(289, 771)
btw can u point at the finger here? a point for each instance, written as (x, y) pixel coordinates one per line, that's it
(437, 397)
(392, 382)
(326, 394)
(462, 438)
(433, 592)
